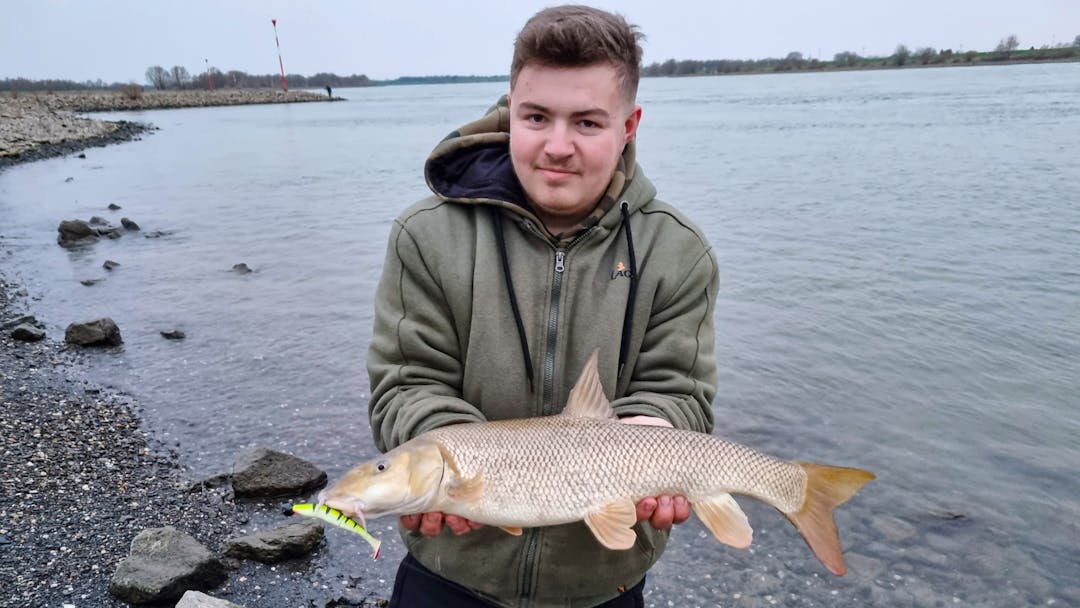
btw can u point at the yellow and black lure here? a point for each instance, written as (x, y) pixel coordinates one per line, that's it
(339, 519)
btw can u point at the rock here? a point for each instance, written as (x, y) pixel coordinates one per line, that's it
(162, 565)
(102, 332)
(82, 155)
(23, 320)
(75, 232)
(173, 334)
(241, 268)
(91, 282)
(157, 234)
(69, 180)
(262, 472)
(196, 599)
(111, 232)
(114, 207)
(109, 264)
(27, 333)
(294, 539)
(97, 220)
(128, 224)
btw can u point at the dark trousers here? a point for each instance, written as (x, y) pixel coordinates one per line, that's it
(417, 587)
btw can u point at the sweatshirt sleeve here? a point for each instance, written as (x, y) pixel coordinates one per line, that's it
(674, 376)
(414, 361)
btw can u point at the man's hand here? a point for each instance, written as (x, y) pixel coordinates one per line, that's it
(431, 524)
(661, 511)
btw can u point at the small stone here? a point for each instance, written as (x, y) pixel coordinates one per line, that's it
(114, 207)
(109, 264)
(241, 268)
(173, 334)
(27, 333)
(128, 224)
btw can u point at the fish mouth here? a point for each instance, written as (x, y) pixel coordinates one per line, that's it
(353, 509)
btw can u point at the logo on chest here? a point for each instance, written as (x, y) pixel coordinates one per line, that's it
(621, 270)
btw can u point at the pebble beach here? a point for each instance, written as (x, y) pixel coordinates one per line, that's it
(81, 477)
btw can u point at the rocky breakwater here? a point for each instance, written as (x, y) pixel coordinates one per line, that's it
(34, 126)
(30, 129)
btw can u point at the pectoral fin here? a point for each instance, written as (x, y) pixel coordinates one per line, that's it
(512, 530)
(613, 525)
(466, 489)
(725, 519)
(459, 487)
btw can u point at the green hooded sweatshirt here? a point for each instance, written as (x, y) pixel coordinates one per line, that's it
(481, 314)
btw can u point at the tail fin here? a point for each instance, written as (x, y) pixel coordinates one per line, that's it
(826, 488)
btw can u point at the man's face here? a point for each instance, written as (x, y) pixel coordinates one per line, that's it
(568, 127)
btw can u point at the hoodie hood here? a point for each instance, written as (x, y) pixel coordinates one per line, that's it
(472, 165)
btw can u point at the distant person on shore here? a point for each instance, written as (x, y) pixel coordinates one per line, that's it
(329, 92)
(543, 242)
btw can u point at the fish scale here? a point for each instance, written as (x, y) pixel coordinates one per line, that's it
(557, 469)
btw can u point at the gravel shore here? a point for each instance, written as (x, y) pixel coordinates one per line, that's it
(79, 476)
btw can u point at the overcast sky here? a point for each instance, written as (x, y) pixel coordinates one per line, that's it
(116, 40)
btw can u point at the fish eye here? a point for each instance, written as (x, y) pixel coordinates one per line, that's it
(382, 465)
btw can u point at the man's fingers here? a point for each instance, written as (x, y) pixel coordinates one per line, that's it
(411, 522)
(645, 508)
(457, 524)
(682, 509)
(431, 523)
(664, 515)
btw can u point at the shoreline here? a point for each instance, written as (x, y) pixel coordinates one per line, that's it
(82, 477)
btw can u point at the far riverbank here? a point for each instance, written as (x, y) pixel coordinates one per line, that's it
(34, 126)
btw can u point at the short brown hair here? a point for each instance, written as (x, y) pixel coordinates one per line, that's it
(578, 36)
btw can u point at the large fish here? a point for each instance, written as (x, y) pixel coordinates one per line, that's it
(585, 465)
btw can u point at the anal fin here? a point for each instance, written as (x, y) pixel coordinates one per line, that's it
(613, 525)
(725, 519)
(513, 530)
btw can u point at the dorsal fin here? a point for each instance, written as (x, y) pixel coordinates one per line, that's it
(587, 398)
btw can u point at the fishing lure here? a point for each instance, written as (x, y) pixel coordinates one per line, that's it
(339, 519)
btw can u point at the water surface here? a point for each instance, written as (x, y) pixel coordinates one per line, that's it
(899, 292)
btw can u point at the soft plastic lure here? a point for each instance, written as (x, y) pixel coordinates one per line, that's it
(339, 519)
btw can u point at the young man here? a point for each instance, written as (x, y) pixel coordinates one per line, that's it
(543, 242)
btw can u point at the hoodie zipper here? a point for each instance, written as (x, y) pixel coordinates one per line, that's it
(552, 331)
(548, 396)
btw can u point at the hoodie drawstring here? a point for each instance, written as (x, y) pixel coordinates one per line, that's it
(628, 316)
(497, 216)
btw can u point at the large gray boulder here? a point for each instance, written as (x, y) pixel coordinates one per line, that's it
(262, 472)
(196, 599)
(162, 565)
(102, 332)
(76, 232)
(294, 539)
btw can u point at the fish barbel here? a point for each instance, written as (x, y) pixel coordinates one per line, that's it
(585, 465)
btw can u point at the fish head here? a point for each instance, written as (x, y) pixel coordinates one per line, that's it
(402, 481)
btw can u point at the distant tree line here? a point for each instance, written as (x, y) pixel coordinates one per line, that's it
(178, 77)
(1007, 50)
(441, 79)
